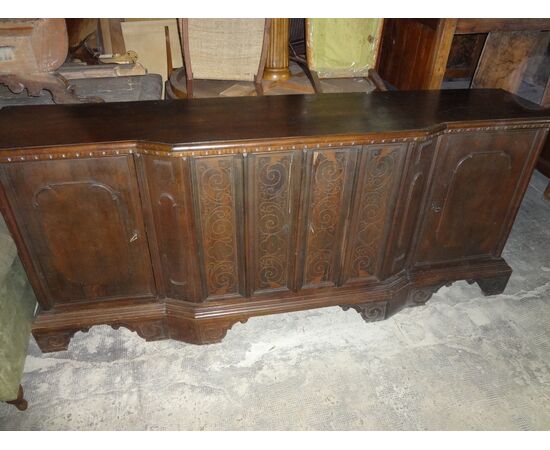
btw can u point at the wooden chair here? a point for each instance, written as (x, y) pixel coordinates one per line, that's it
(224, 49)
(342, 48)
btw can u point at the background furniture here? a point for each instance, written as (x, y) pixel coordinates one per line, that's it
(17, 305)
(260, 205)
(415, 52)
(30, 52)
(343, 48)
(221, 49)
(108, 89)
(276, 65)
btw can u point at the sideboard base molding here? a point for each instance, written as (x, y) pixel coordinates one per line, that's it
(209, 323)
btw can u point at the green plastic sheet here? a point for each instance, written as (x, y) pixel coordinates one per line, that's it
(339, 48)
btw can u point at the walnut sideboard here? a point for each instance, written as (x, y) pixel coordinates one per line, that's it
(177, 219)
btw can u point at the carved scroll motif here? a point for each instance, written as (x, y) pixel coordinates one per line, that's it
(216, 202)
(326, 198)
(373, 208)
(273, 221)
(370, 312)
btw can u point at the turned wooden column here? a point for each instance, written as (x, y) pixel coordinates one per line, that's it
(276, 66)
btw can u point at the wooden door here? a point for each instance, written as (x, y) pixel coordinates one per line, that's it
(373, 206)
(407, 212)
(167, 185)
(272, 185)
(82, 223)
(217, 183)
(325, 204)
(477, 186)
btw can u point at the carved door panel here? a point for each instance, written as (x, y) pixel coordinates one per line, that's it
(272, 194)
(474, 194)
(168, 184)
(326, 201)
(378, 178)
(82, 222)
(407, 213)
(218, 203)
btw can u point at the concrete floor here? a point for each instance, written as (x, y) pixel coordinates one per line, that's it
(462, 362)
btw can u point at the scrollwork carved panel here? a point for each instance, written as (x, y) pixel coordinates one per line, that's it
(216, 196)
(271, 218)
(328, 203)
(379, 172)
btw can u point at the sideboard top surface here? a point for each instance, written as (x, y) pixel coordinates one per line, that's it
(200, 121)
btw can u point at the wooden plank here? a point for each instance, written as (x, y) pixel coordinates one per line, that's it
(504, 59)
(443, 41)
(467, 26)
(117, 39)
(105, 28)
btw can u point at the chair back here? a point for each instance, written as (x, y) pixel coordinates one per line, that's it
(223, 49)
(342, 48)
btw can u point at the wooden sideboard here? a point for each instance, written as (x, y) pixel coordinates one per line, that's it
(179, 219)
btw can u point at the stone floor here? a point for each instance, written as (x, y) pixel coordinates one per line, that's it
(463, 361)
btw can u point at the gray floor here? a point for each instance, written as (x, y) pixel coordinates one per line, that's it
(461, 362)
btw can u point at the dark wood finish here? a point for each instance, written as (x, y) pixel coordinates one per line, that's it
(20, 403)
(88, 215)
(179, 219)
(459, 222)
(210, 123)
(414, 52)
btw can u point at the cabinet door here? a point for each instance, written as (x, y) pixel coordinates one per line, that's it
(373, 206)
(272, 185)
(476, 187)
(325, 207)
(407, 213)
(217, 192)
(82, 222)
(167, 182)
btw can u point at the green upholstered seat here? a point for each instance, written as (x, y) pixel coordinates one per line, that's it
(17, 306)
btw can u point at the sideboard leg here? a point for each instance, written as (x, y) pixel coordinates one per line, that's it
(371, 311)
(20, 403)
(493, 286)
(201, 331)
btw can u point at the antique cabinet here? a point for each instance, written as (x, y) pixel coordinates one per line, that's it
(179, 219)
